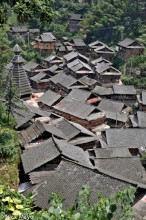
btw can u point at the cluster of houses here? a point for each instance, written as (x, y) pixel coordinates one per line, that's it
(78, 124)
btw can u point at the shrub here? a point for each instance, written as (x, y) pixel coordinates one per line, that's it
(15, 206)
(9, 146)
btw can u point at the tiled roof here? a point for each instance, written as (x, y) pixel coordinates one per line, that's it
(49, 98)
(72, 177)
(108, 105)
(132, 138)
(74, 107)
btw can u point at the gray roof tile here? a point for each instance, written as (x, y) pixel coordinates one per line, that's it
(79, 94)
(132, 138)
(40, 155)
(124, 90)
(74, 107)
(130, 168)
(108, 105)
(71, 177)
(49, 98)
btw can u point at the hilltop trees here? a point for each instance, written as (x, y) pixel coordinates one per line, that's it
(26, 9)
(112, 20)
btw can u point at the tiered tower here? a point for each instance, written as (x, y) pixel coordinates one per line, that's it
(18, 76)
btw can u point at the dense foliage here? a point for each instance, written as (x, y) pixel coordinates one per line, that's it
(9, 146)
(16, 206)
(106, 20)
(26, 9)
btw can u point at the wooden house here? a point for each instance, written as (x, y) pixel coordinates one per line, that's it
(103, 92)
(13, 31)
(77, 68)
(141, 98)
(117, 120)
(45, 43)
(31, 68)
(138, 120)
(100, 60)
(130, 137)
(99, 49)
(54, 80)
(74, 22)
(62, 49)
(48, 152)
(108, 105)
(40, 81)
(48, 99)
(52, 60)
(33, 32)
(76, 175)
(126, 94)
(120, 162)
(79, 45)
(68, 83)
(55, 69)
(128, 48)
(107, 75)
(82, 95)
(79, 112)
(89, 82)
(69, 57)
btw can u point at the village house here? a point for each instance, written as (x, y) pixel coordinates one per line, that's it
(40, 81)
(128, 48)
(77, 68)
(117, 119)
(95, 44)
(74, 22)
(52, 60)
(62, 49)
(108, 105)
(91, 83)
(107, 75)
(126, 94)
(141, 98)
(45, 43)
(50, 152)
(43, 127)
(81, 95)
(54, 80)
(38, 132)
(13, 31)
(138, 120)
(23, 117)
(79, 45)
(64, 86)
(76, 175)
(79, 112)
(31, 68)
(103, 92)
(75, 55)
(55, 69)
(33, 32)
(100, 60)
(99, 49)
(17, 77)
(119, 161)
(48, 99)
(132, 138)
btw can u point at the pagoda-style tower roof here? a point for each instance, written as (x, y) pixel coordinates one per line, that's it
(18, 76)
(17, 49)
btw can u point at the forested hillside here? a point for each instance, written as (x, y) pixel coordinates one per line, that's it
(106, 20)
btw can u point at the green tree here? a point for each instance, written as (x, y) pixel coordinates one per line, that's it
(16, 206)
